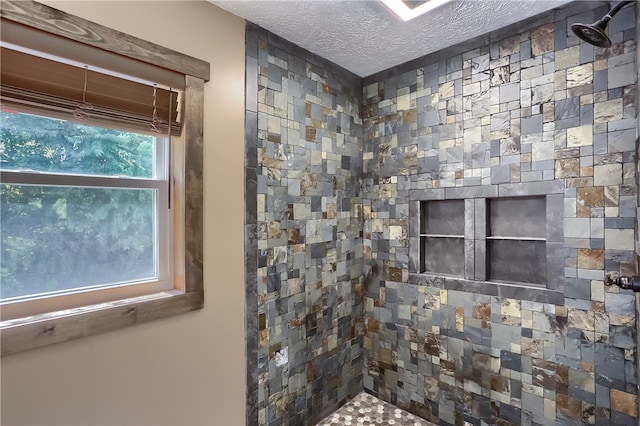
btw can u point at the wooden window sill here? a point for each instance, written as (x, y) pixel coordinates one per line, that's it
(32, 332)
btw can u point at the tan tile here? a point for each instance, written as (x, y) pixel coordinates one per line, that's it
(607, 174)
(274, 230)
(510, 307)
(600, 65)
(500, 75)
(586, 99)
(566, 58)
(624, 402)
(509, 46)
(568, 406)
(499, 383)
(542, 44)
(482, 311)
(589, 197)
(460, 318)
(549, 409)
(532, 347)
(410, 116)
(403, 102)
(568, 167)
(446, 90)
(542, 30)
(580, 136)
(590, 259)
(310, 133)
(604, 112)
(582, 320)
(586, 171)
(580, 75)
(582, 90)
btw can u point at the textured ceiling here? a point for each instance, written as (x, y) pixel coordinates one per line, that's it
(364, 37)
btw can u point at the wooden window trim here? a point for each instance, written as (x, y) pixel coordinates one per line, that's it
(40, 330)
(42, 17)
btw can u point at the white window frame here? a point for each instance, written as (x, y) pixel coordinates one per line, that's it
(34, 304)
(187, 291)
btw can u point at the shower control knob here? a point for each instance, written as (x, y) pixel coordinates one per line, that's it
(627, 283)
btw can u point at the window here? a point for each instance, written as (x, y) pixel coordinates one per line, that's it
(488, 236)
(97, 135)
(82, 207)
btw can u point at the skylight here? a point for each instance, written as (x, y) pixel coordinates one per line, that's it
(409, 9)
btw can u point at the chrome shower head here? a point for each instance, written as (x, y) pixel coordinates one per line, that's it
(593, 33)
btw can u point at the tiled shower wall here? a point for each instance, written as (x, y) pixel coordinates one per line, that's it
(304, 233)
(532, 110)
(328, 228)
(638, 182)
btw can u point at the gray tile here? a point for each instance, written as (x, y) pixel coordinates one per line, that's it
(622, 75)
(621, 141)
(501, 174)
(567, 108)
(531, 125)
(509, 92)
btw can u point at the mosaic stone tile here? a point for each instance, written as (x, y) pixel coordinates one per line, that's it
(309, 271)
(544, 367)
(366, 409)
(340, 163)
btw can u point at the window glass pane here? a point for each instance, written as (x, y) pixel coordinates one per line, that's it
(61, 238)
(29, 142)
(443, 217)
(518, 217)
(517, 261)
(443, 255)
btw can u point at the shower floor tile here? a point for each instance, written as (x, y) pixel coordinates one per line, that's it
(365, 409)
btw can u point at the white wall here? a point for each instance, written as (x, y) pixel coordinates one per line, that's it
(188, 369)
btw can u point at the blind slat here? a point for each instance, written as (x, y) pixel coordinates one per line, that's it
(31, 79)
(41, 41)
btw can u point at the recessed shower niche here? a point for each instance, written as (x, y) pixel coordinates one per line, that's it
(511, 239)
(516, 240)
(442, 237)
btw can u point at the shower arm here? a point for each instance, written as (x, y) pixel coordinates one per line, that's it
(615, 9)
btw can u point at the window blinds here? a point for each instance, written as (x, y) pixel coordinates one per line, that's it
(39, 80)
